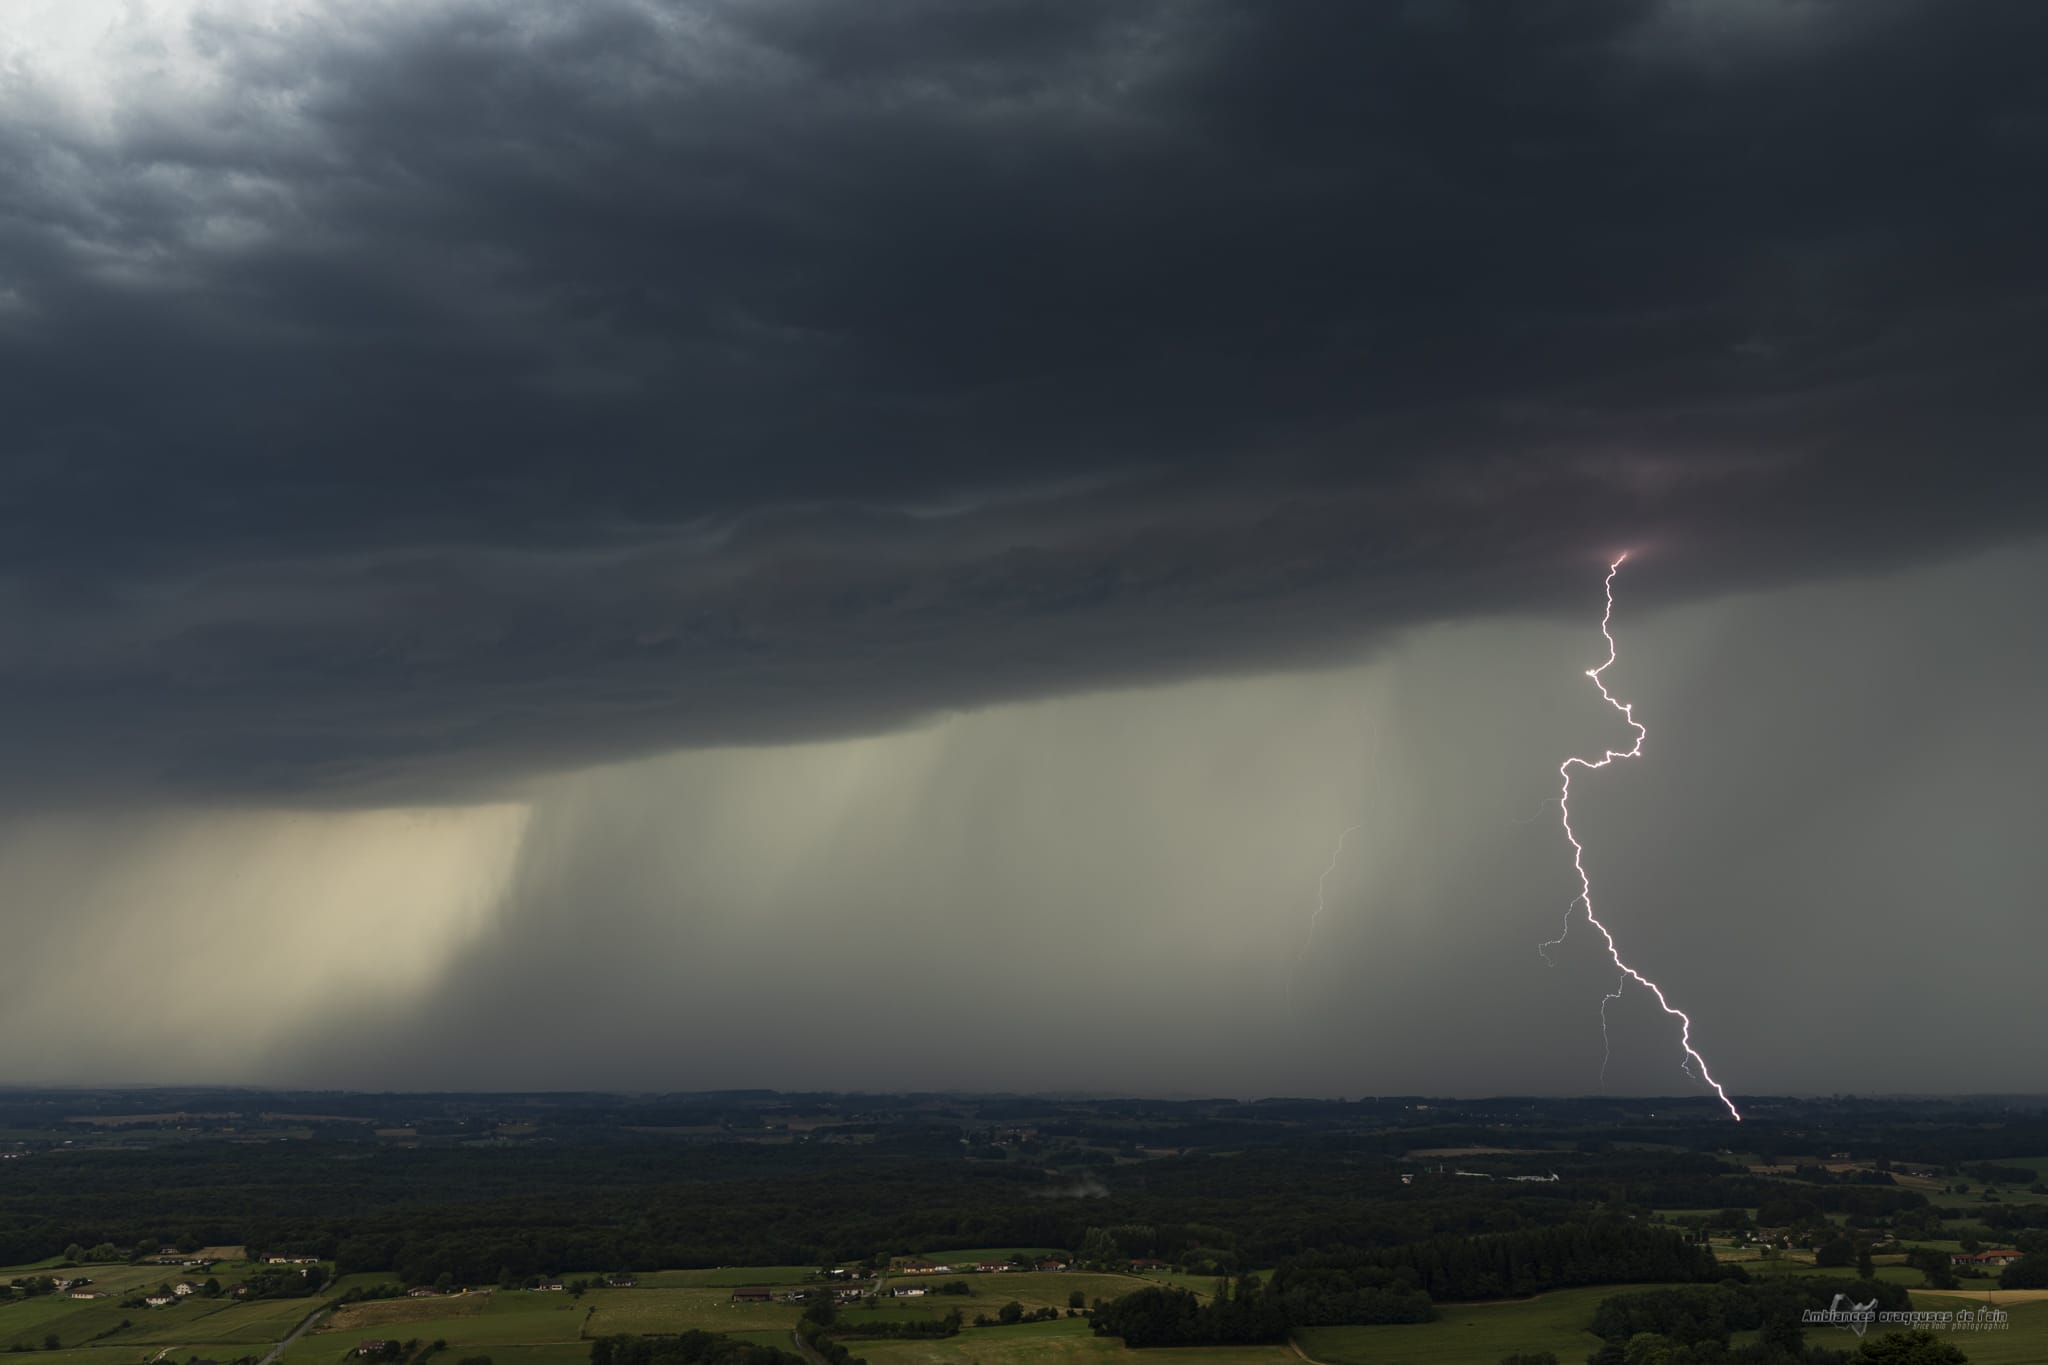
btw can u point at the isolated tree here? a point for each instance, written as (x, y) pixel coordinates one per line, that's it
(1836, 1251)
(1866, 1268)
(74, 1252)
(1010, 1312)
(1076, 1299)
(1934, 1265)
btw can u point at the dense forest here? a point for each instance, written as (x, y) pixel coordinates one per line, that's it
(494, 1189)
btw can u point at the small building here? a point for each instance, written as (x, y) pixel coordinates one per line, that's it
(1052, 1265)
(185, 1289)
(552, 1286)
(1149, 1264)
(159, 1300)
(752, 1294)
(623, 1281)
(88, 1294)
(908, 1291)
(422, 1293)
(373, 1348)
(1985, 1260)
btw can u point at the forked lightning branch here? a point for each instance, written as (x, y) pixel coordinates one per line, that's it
(1585, 897)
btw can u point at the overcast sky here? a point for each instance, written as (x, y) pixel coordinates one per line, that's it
(667, 543)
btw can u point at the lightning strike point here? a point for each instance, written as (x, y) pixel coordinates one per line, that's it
(1692, 1058)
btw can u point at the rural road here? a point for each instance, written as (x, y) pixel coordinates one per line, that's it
(1295, 1346)
(293, 1335)
(803, 1348)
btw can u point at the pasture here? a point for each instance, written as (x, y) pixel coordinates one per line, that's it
(1066, 1342)
(541, 1328)
(1471, 1334)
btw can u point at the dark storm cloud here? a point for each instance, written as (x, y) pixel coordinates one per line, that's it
(444, 393)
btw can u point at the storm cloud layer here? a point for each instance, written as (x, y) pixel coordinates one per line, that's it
(403, 401)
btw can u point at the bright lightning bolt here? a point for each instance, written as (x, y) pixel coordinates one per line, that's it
(1585, 897)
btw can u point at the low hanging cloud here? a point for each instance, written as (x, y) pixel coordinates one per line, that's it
(405, 401)
(1827, 856)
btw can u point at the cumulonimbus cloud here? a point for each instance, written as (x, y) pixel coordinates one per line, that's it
(406, 399)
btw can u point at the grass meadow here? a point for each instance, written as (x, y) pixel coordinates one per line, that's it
(538, 1328)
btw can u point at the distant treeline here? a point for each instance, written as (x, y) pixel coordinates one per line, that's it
(1611, 1251)
(597, 1195)
(1398, 1284)
(1710, 1312)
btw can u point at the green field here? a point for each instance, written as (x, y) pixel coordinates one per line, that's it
(540, 1328)
(537, 1327)
(1480, 1334)
(2025, 1342)
(1205, 1285)
(1068, 1340)
(729, 1276)
(1888, 1274)
(643, 1311)
(1474, 1334)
